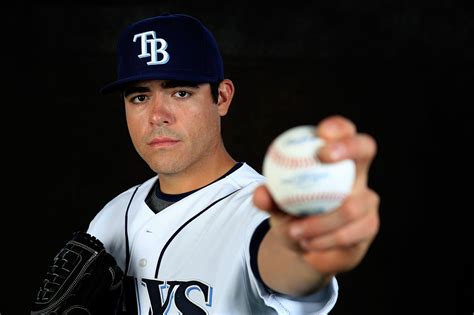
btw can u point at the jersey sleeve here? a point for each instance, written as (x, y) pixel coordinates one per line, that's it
(320, 302)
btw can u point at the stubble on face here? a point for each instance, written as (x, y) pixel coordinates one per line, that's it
(197, 145)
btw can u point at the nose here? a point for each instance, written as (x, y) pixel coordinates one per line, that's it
(161, 111)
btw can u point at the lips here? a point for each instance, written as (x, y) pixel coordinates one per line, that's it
(163, 142)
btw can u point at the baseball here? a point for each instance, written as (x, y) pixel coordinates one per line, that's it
(299, 183)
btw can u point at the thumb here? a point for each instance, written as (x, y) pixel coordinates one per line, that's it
(263, 200)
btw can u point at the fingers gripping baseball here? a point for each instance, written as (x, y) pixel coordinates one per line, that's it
(356, 231)
(354, 208)
(336, 240)
(300, 183)
(335, 127)
(343, 142)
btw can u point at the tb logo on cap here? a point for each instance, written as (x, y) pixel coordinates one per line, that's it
(154, 49)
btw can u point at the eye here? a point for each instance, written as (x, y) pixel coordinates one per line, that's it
(182, 94)
(138, 99)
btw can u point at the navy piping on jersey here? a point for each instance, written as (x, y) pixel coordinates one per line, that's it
(255, 242)
(127, 248)
(183, 226)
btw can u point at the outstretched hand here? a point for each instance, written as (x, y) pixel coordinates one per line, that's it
(336, 241)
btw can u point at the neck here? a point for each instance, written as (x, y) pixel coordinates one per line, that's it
(197, 175)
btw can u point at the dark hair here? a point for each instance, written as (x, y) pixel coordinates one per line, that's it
(215, 91)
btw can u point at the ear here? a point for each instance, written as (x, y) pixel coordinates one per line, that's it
(226, 92)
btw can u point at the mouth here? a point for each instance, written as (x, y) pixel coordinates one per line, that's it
(163, 142)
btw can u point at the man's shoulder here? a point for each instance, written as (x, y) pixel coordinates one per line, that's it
(138, 191)
(115, 209)
(246, 175)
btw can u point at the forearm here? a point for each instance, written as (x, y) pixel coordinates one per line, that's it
(284, 269)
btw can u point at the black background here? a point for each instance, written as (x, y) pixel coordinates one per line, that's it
(401, 70)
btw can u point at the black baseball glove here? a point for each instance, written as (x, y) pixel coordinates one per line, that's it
(83, 279)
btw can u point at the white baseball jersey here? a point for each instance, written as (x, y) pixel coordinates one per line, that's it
(195, 257)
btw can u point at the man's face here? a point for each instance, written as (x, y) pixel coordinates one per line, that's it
(174, 126)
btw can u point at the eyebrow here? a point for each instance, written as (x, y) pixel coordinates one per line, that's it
(179, 83)
(167, 84)
(135, 89)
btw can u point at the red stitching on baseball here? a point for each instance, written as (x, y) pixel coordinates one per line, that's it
(290, 162)
(297, 199)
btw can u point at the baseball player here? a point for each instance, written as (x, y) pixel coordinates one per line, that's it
(204, 236)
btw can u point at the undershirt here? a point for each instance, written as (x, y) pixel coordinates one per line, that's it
(158, 200)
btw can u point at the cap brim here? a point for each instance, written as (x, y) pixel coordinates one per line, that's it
(192, 77)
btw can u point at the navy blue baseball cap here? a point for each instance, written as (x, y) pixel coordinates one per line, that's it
(167, 47)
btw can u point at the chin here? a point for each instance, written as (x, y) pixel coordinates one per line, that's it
(167, 168)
